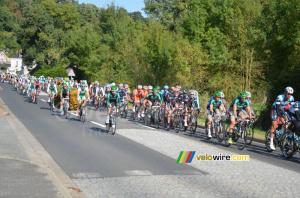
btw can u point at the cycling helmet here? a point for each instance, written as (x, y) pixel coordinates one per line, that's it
(145, 87)
(108, 86)
(65, 84)
(217, 94)
(172, 88)
(178, 87)
(100, 85)
(126, 86)
(222, 95)
(248, 94)
(155, 90)
(52, 82)
(83, 84)
(150, 87)
(243, 94)
(120, 85)
(289, 90)
(185, 91)
(114, 88)
(166, 87)
(158, 87)
(139, 86)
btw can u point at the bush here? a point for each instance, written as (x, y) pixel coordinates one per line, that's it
(52, 72)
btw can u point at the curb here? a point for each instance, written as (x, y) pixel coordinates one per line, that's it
(38, 155)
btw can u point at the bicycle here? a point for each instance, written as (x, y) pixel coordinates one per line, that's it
(239, 134)
(192, 121)
(250, 131)
(66, 107)
(152, 116)
(279, 135)
(51, 103)
(289, 144)
(178, 123)
(82, 112)
(137, 112)
(111, 126)
(124, 110)
(217, 127)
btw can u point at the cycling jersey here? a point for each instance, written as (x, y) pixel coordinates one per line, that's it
(153, 98)
(216, 104)
(51, 88)
(113, 99)
(240, 105)
(137, 95)
(64, 92)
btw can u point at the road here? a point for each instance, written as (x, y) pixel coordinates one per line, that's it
(90, 156)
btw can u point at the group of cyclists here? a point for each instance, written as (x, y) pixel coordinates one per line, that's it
(167, 99)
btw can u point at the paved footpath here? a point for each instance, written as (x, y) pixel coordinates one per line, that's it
(253, 178)
(24, 172)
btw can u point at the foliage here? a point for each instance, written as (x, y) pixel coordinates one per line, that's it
(208, 45)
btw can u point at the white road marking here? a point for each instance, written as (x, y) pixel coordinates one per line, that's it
(86, 175)
(138, 172)
(144, 126)
(98, 124)
(43, 100)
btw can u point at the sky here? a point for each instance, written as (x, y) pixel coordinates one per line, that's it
(129, 5)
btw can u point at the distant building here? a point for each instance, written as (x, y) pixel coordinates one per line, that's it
(4, 60)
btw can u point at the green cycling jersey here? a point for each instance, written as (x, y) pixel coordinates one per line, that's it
(240, 105)
(151, 97)
(113, 98)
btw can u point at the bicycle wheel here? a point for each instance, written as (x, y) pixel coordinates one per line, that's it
(250, 134)
(148, 118)
(241, 138)
(51, 106)
(287, 145)
(194, 124)
(65, 113)
(114, 125)
(220, 131)
(226, 136)
(156, 119)
(177, 123)
(107, 127)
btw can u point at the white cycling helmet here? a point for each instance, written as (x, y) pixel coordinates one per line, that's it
(150, 87)
(248, 94)
(289, 90)
(222, 95)
(139, 86)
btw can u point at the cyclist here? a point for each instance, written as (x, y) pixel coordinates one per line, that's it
(172, 102)
(214, 105)
(249, 98)
(236, 112)
(64, 94)
(37, 89)
(81, 95)
(51, 89)
(224, 101)
(137, 96)
(113, 99)
(185, 102)
(278, 111)
(294, 117)
(151, 98)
